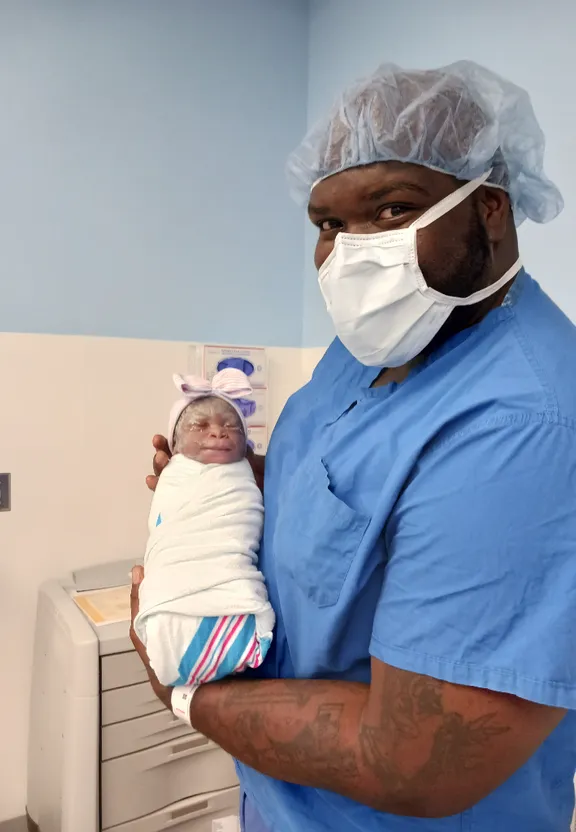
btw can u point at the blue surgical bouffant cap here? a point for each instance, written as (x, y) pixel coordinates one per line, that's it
(461, 119)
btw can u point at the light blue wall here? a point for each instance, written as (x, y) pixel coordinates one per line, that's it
(531, 43)
(142, 147)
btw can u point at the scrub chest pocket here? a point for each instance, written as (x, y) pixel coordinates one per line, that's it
(317, 535)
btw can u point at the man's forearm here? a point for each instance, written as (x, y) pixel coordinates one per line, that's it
(408, 745)
(305, 732)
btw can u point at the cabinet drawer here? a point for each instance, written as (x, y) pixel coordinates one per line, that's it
(144, 782)
(121, 670)
(213, 812)
(129, 703)
(137, 734)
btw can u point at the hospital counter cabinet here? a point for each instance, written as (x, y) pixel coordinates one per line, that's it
(104, 754)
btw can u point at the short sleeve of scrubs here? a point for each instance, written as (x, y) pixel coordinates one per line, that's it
(480, 586)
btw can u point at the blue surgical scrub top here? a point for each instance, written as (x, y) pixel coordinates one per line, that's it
(432, 525)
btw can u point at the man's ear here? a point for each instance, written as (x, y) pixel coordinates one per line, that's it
(496, 212)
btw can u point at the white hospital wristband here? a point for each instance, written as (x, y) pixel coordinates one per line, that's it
(181, 701)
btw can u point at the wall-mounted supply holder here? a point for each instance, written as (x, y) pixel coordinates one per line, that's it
(251, 360)
(258, 439)
(255, 408)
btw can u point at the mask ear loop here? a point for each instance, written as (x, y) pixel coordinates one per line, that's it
(439, 210)
(482, 294)
(451, 201)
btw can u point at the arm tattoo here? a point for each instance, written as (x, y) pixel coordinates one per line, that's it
(417, 740)
(392, 749)
(309, 737)
(287, 692)
(314, 746)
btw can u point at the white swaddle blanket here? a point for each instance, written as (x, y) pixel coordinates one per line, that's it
(204, 609)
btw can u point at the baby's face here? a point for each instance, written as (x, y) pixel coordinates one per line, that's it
(210, 431)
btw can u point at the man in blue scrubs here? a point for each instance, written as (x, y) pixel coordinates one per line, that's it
(420, 491)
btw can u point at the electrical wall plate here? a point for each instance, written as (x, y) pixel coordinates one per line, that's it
(5, 497)
(194, 362)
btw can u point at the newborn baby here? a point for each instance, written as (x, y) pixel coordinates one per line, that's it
(204, 609)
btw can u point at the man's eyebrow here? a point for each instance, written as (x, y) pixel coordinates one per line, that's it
(397, 186)
(374, 196)
(318, 210)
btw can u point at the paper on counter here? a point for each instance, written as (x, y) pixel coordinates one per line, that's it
(105, 606)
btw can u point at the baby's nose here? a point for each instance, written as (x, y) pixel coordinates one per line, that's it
(217, 431)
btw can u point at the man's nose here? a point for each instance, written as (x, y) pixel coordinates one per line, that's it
(361, 227)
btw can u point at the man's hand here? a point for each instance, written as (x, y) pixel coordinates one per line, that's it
(160, 461)
(163, 693)
(257, 463)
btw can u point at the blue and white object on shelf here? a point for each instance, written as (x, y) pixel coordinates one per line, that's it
(251, 360)
(235, 362)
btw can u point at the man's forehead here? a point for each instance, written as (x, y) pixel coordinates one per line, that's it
(377, 180)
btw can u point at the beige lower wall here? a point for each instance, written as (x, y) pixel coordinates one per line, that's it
(76, 419)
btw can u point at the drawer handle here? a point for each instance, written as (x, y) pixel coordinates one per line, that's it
(189, 746)
(187, 811)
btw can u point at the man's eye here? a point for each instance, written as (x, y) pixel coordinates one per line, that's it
(392, 212)
(329, 225)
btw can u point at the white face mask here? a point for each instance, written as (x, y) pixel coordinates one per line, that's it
(384, 312)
